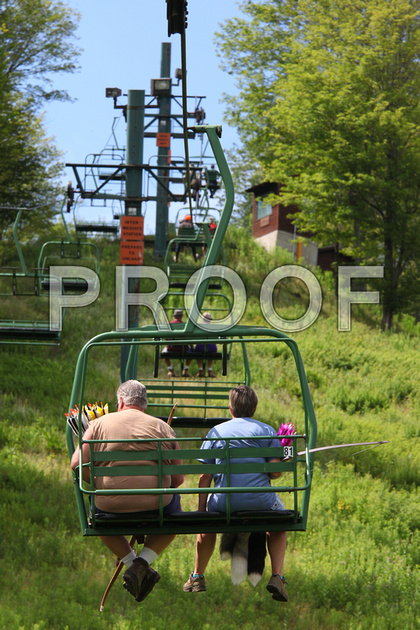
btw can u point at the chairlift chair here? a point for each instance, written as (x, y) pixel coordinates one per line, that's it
(68, 251)
(198, 237)
(19, 331)
(218, 305)
(110, 227)
(201, 405)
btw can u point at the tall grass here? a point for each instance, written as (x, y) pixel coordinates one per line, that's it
(356, 567)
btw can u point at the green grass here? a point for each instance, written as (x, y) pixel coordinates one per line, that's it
(356, 567)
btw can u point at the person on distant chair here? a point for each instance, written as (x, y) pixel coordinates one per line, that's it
(196, 184)
(212, 176)
(178, 313)
(186, 224)
(131, 422)
(201, 348)
(242, 404)
(212, 229)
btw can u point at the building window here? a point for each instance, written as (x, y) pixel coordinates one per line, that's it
(264, 209)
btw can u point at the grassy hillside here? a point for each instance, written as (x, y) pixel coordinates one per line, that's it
(356, 567)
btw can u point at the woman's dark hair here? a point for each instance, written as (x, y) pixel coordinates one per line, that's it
(243, 401)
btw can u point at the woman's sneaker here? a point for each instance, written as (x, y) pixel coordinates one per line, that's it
(276, 587)
(195, 584)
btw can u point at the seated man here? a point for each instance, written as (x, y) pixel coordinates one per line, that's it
(242, 404)
(178, 314)
(212, 176)
(186, 225)
(195, 183)
(131, 422)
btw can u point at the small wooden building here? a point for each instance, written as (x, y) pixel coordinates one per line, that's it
(272, 227)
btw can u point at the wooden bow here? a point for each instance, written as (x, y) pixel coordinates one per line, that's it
(115, 575)
(171, 415)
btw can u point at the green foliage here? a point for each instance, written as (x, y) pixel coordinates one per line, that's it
(356, 567)
(366, 579)
(242, 248)
(28, 166)
(35, 45)
(244, 173)
(333, 116)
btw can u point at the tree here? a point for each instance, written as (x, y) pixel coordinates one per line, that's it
(34, 44)
(341, 129)
(29, 166)
(244, 174)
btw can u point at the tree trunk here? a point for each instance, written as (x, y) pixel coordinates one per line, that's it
(391, 278)
(387, 318)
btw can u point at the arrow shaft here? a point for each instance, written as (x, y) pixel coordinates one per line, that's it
(328, 448)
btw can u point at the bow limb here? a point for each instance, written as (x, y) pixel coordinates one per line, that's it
(115, 575)
(171, 415)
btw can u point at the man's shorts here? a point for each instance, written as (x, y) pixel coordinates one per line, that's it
(173, 506)
(183, 349)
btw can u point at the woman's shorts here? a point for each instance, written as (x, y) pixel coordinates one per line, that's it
(201, 347)
(278, 504)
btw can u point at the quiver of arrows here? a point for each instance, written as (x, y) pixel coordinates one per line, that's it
(87, 413)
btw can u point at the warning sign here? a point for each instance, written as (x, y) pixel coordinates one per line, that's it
(131, 252)
(163, 139)
(131, 228)
(132, 240)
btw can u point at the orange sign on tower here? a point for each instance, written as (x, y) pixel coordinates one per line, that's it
(132, 240)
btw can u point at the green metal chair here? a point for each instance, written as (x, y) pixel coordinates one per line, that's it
(201, 405)
(199, 237)
(68, 251)
(24, 331)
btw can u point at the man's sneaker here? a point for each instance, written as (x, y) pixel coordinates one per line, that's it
(195, 584)
(211, 375)
(171, 373)
(276, 586)
(152, 577)
(134, 576)
(185, 373)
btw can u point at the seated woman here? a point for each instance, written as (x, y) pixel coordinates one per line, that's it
(208, 348)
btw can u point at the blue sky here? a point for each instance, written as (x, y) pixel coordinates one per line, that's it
(121, 42)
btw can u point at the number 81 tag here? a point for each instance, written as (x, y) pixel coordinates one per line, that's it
(288, 451)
